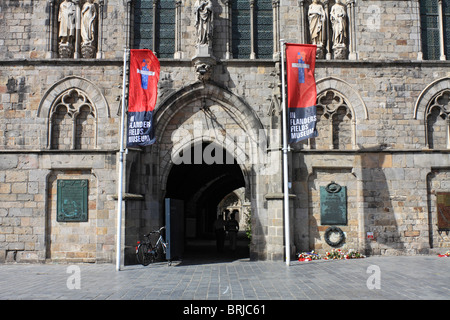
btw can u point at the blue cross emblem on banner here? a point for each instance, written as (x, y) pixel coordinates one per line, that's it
(145, 73)
(301, 65)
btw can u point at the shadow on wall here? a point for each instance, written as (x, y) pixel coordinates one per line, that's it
(378, 211)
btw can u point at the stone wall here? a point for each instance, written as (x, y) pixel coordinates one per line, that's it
(381, 145)
(29, 230)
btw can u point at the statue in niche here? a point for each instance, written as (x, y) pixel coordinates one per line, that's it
(66, 35)
(204, 21)
(338, 18)
(88, 19)
(316, 18)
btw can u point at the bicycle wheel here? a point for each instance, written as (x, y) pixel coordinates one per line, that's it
(144, 254)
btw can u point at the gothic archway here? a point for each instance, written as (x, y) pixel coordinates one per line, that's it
(228, 135)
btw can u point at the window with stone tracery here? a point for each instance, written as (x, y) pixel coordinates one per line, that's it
(72, 122)
(438, 121)
(334, 123)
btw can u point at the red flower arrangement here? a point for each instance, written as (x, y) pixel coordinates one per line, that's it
(447, 254)
(334, 254)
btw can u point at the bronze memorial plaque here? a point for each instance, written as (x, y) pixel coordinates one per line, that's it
(333, 204)
(443, 211)
(72, 200)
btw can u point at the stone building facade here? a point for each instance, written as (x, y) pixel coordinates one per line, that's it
(383, 84)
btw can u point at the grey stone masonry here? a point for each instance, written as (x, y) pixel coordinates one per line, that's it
(383, 128)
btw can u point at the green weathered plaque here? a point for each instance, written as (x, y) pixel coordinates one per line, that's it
(333, 204)
(72, 200)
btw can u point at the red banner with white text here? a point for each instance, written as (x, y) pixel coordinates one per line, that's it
(302, 92)
(143, 92)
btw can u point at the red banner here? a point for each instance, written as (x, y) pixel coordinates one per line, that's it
(142, 95)
(144, 77)
(302, 92)
(300, 66)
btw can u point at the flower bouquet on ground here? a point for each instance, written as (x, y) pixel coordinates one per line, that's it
(334, 255)
(353, 255)
(447, 254)
(308, 256)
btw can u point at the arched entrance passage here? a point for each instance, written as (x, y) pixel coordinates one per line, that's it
(202, 186)
(210, 119)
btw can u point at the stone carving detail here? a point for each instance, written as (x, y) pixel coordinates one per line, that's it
(88, 19)
(204, 61)
(203, 71)
(328, 28)
(75, 23)
(316, 18)
(204, 21)
(66, 35)
(338, 17)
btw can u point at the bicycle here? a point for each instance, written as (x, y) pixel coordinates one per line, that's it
(146, 253)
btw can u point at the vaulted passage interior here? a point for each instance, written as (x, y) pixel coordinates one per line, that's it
(202, 186)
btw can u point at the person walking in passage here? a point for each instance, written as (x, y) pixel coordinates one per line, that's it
(219, 227)
(233, 228)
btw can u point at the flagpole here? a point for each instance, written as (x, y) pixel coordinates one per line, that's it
(120, 178)
(285, 160)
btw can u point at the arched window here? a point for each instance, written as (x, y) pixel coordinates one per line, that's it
(438, 121)
(335, 123)
(73, 122)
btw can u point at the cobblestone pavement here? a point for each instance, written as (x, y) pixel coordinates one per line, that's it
(371, 278)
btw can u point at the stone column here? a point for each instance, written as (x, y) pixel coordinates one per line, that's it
(178, 52)
(155, 5)
(100, 30)
(441, 30)
(51, 36)
(76, 53)
(275, 226)
(302, 21)
(276, 29)
(352, 30)
(419, 32)
(252, 29)
(229, 39)
(327, 33)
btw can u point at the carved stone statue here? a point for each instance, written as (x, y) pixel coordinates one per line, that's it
(203, 21)
(88, 19)
(338, 18)
(316, 18)
(66, 35)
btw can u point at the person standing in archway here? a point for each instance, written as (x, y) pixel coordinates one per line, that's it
(219, 227)
(233, 228)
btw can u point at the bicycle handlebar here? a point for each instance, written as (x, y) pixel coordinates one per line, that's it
(156, 231)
